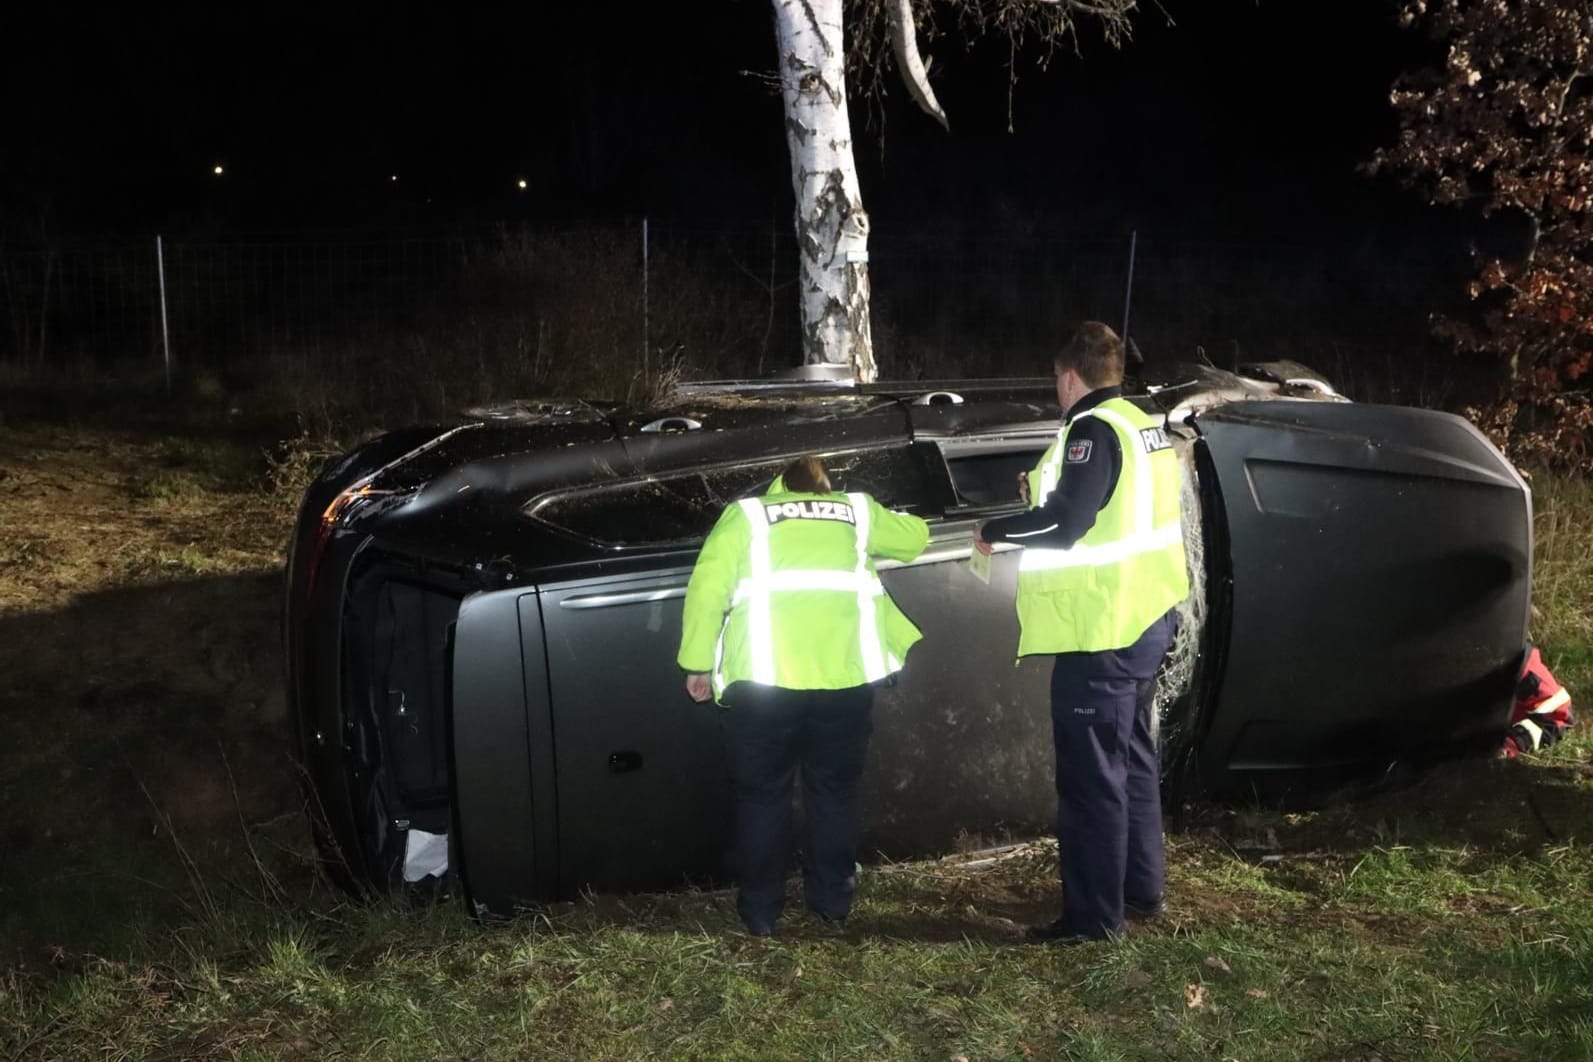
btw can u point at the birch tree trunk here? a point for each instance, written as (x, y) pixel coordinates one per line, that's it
(831, 225)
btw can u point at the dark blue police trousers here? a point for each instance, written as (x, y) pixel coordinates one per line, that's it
(772, 733)
(1109, 810)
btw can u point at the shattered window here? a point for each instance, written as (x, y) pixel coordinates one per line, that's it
(681, 509)
(895, 478)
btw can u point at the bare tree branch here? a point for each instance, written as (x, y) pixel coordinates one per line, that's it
(904, 37)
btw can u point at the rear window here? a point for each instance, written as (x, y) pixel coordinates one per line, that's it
(681, 509)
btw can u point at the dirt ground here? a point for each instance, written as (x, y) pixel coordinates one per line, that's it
(141, 701)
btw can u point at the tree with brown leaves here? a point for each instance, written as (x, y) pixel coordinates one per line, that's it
(1505, 127)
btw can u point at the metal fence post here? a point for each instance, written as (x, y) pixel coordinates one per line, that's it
(165, 332)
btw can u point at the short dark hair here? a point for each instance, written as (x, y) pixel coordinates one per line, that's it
(806, 475)
(1095, 353)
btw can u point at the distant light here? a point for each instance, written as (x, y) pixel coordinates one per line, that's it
(521, 184)
(217, 171)
(394, 177)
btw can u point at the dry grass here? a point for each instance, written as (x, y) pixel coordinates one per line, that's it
(1562, 575)
(138, 653)
(93, 511)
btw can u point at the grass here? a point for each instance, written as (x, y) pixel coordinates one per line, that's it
(1563, 576)
(1351, 978)
(157, 897)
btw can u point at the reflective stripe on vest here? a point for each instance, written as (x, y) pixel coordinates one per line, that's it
(760, 621)
(1127, 569)
(1049, 471)
(860, 583)
(1144, 538)
(868, 633)
(757, 591)
(1554, 703)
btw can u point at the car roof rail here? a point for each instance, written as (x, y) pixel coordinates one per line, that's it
(829, 379)
(672, 424)
(964, 388)
(804, 377)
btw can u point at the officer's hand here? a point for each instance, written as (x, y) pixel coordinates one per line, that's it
(698, 687)
(979, 541)
(1023, 487)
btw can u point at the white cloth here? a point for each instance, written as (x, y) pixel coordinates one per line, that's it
(425, 853)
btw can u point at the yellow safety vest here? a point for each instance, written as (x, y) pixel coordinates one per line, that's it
(1105, 590)
(784, 593)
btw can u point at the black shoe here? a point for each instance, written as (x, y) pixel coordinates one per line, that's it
(1144, 912)
(1056, 933)
(828, 921)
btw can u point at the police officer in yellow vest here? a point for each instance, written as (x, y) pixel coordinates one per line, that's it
(786, 623)
(1100, 575)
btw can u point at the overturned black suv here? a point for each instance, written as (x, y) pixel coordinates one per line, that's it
(482, 618)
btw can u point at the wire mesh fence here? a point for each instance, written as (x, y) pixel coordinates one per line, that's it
(720, 300)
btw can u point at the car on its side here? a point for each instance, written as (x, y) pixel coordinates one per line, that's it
(482, 618)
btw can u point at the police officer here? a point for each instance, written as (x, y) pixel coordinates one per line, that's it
(1100, 575)
(1542, 712)
(786, 623)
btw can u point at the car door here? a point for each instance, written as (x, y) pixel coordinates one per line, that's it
(643, 791)
(961, 756)
(961, 751)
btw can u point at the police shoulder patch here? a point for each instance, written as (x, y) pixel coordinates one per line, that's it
(1079, 451)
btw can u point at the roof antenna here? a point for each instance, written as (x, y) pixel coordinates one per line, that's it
(1131, 353)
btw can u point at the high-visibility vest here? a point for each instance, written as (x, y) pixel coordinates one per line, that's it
(785, 593)
(1128, 569)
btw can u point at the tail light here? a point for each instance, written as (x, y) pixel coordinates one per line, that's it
(341, 509)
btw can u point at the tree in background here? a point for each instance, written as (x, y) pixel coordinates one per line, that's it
(831, 225)
(1505, 127)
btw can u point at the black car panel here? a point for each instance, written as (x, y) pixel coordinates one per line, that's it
(1380, 561)
(961, 752)
(505, 802)
(643, 794)
(679, 508)
(1361, 582)
(986, 417)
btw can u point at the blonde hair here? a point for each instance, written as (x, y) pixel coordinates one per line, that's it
(806, 476)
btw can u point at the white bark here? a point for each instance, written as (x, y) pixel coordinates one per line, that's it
(904, 41)
(831, 225)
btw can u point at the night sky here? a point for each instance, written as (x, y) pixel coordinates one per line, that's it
(1243, 119)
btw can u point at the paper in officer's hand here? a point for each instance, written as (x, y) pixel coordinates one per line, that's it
(979, 564)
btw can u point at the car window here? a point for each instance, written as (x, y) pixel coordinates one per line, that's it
(897, 477)
(681, 509)
(984, 472)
